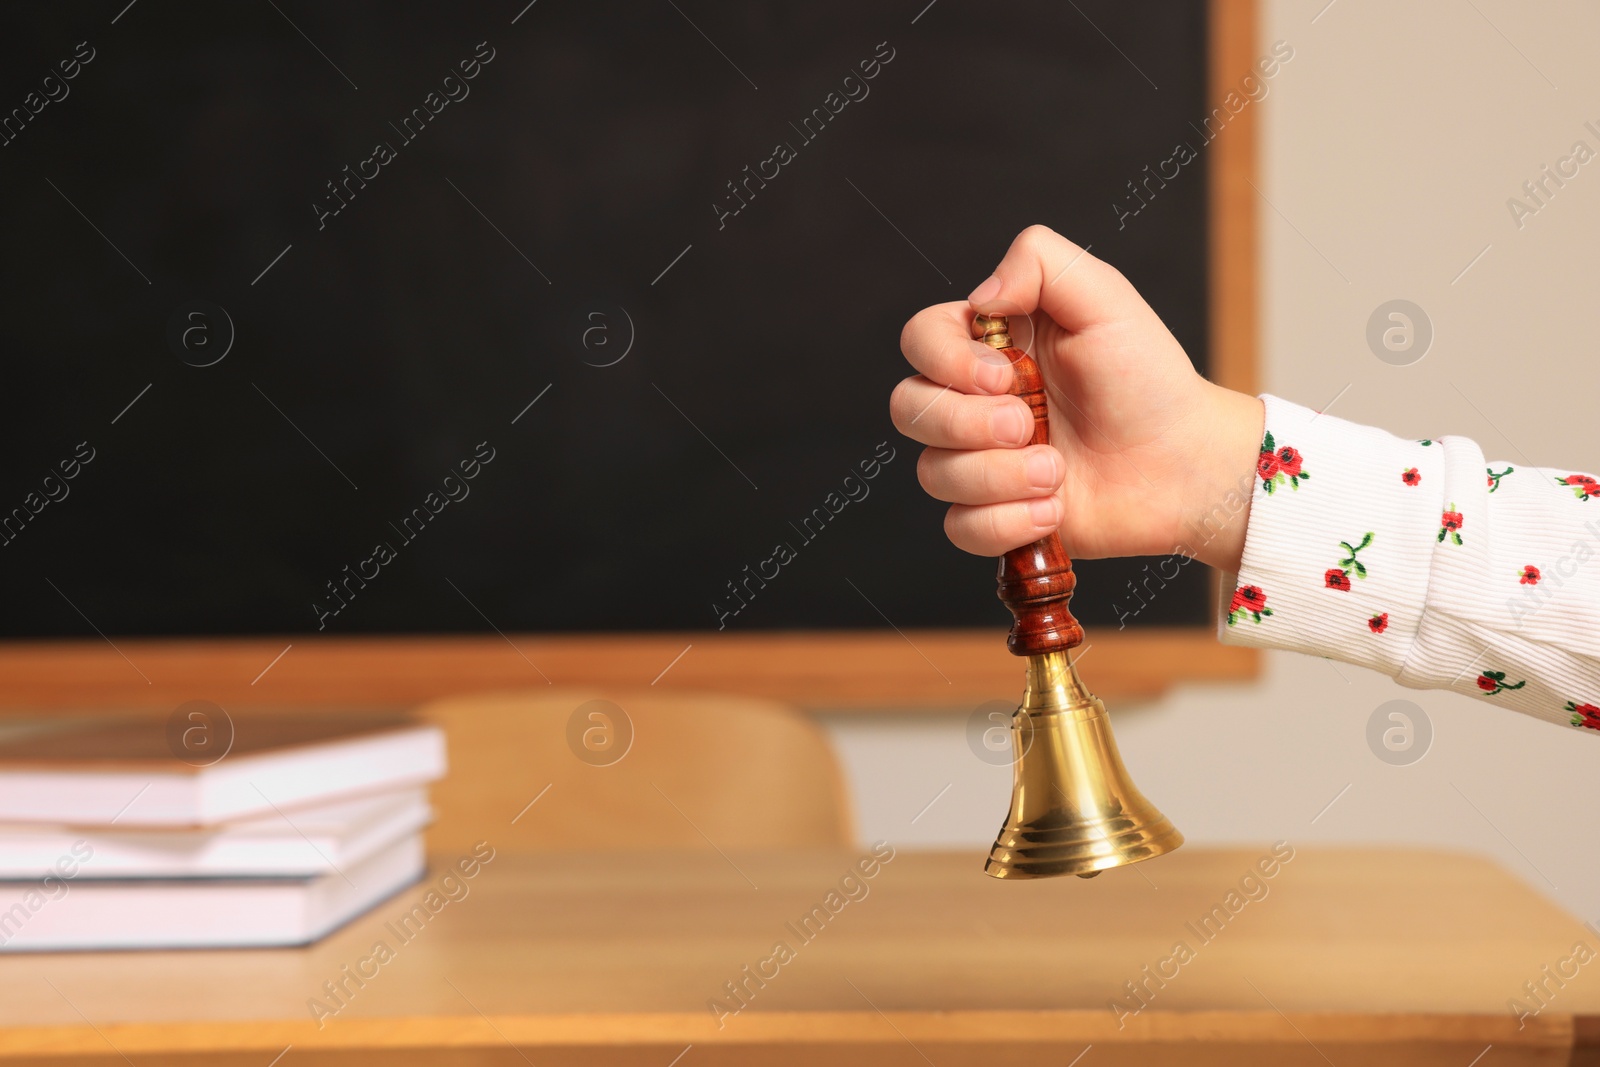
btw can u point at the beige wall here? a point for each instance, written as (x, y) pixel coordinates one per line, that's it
(1391, 144)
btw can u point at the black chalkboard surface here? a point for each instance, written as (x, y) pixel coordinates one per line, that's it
(403, 317)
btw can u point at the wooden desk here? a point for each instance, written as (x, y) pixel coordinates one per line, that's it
(1351, 957)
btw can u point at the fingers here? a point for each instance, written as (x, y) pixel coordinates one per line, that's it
(1043, 270)
(938, 342)
(994, 529)
(996, 476)
(1002, 498)
(941, 416)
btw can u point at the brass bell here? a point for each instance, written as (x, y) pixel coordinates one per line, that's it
(1073, 808)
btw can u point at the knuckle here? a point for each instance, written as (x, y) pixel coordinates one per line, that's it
(900, 402)
(1037, 237)
(915, 329)
(953, 527)
(965, 530)
(925, 471)
(908, 334)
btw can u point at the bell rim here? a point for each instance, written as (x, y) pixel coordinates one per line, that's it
(1084, 855)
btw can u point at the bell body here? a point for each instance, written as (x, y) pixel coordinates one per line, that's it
(1074, 809)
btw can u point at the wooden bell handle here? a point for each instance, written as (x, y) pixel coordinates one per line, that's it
(1036, 580)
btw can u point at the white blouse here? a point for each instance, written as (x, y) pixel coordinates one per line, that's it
(1423, 561)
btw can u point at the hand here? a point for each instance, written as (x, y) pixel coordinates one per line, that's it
(1144, 452)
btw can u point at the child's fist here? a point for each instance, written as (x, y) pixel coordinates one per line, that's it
(1140, 444)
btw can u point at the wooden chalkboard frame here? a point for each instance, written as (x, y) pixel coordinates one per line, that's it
(866, 670)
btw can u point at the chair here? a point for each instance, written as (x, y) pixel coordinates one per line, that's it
(531, 771)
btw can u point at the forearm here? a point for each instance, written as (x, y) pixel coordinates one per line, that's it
(1424, 562)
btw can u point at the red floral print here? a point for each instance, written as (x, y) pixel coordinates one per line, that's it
(1529, 575)
(1493, 682)
(1279, 464)
(1584, 715)
(1494, 479)
(1582, 485)
(1379, 623)
(1352, 551)
(1411, 477)
(1339, 577)
(1248, 600)
(1450, 525)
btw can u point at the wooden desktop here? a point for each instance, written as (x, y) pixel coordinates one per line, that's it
(1346, 956)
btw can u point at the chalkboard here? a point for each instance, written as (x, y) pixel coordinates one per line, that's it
(408, 318)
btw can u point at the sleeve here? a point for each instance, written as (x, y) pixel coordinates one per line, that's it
(1421, 560)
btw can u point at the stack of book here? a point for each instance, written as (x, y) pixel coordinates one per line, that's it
(114, 836)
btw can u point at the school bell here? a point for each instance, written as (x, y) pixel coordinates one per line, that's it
(1074, 810)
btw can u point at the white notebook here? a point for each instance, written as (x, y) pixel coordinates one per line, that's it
(294, 842)
(124, 771)
(200, 912)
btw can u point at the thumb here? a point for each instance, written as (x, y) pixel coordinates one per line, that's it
(1044, 271)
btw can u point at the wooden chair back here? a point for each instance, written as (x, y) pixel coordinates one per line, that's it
(562, 769)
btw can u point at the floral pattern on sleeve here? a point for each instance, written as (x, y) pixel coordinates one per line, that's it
(1339, 577)
(1583, 486)
(1450, 524)
(1279, 464)
(1584, 715)
(1494, 479)
(1493, 682)
(1352, 551)
(1248, 601)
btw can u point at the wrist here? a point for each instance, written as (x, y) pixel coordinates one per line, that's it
(1219, 503)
